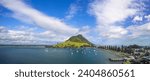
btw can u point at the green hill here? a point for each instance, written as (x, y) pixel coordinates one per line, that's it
(75, 42)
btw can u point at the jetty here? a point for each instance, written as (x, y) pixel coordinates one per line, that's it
(116, 59)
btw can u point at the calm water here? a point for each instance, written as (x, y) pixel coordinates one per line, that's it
(26, 55)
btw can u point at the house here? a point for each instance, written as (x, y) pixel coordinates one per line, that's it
(138, 51)
(145, 60)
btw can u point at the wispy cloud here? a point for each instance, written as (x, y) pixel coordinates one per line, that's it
(137, 18)
(147, 17)
(138, 31)
(73, 9)
(26, 13)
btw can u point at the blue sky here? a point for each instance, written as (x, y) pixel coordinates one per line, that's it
(111, 22)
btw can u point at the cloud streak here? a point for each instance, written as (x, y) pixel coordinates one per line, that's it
(28, 14)
(73, 9)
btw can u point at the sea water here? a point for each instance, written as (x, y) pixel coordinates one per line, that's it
(33, 55)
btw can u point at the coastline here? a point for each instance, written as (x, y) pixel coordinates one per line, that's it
(119, 54)
(123, 57)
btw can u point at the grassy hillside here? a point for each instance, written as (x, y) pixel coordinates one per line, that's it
(72, 44)
(75, 41)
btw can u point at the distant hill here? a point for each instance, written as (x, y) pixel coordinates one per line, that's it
(134, 46)
(76, 42)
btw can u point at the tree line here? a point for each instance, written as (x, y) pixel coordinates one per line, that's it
(126, 49)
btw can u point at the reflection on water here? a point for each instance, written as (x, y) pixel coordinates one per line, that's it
(54, 55)
(46, 49)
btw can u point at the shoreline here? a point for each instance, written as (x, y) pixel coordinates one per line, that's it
(120, 54)
(123, 57)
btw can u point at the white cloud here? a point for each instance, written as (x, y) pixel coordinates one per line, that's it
(147, 17)
(137, 18)
(28, 35)
(112, 32)
(84, 30)
(2, 29)
(109, 15)
(73, 9)
(28, 14)
(112, 14)
(112, 11)
(138, 35)
(138, 31)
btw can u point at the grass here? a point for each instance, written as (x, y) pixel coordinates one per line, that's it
(127, 62)
(71, 44)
